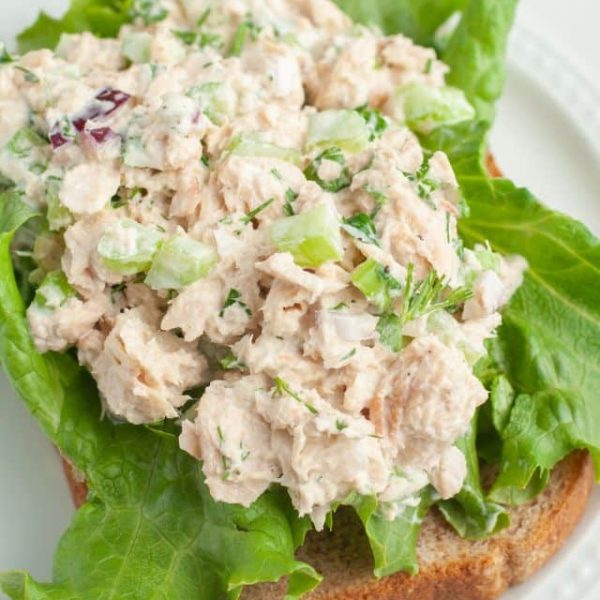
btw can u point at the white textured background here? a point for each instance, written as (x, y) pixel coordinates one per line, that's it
(537, 144)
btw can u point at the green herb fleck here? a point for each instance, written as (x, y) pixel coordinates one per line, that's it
(210, 39)
(117, 201)
(282, 388)
(341, 425)
(202, 40)
(349, 355)
(250, 216)
(428, 66)
(429, 295)
(340, 306)
(361, 227)
(234, 297)
(232, 363)
(375, 121)
(425, 184)
(189, 38)
(30, 76)
(336, 155)
(203, 17)
(241, 35)
(150, 11)
(288, 207)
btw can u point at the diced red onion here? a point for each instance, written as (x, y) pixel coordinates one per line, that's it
(102, 134)
(57, 139)
(106, 102)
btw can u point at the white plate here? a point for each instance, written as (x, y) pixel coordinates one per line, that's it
(547, 137)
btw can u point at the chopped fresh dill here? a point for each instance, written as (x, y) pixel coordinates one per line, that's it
(234, 297)
(30, 76)
(333, 154)
(340, 306)
(361, 227)
(288, 207)
(232, 363)
(240, 37)
(203, 17)
(341, 425)
(429, 295)
(376, 122)
(250, 216)
(282, 388)
(425, 185)
(349, 355)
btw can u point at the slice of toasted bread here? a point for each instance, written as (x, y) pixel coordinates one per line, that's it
(451, 568)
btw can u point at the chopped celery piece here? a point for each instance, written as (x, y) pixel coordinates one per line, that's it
(128, 248)
(137, 47)
(426, 108)
(215, 100)
(54, 291)
(375, 282)
(58, 215)
(312, 238)
(343, 128)
(179, 262)
(335, 155)
(242, 145)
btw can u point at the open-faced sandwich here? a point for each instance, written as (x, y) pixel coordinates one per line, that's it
(257, 284)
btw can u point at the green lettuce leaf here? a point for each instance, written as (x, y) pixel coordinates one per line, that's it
(393, 543)
(102, 17)
(476, 51)
(150, 527)
(470, 512)
(418, 19)
(549, 345)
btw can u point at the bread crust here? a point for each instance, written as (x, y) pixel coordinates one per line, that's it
(451, 568)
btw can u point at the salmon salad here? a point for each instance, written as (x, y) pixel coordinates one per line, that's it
(244, 233)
